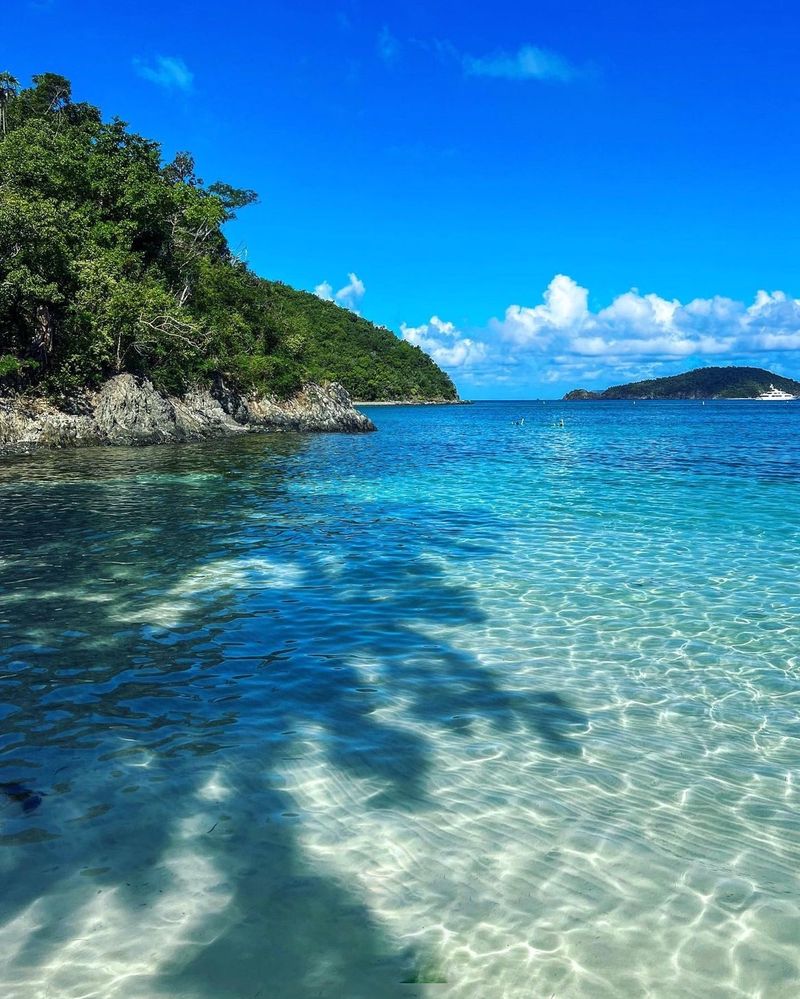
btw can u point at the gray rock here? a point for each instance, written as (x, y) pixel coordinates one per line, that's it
(317, 408)
(230, 401)
(200, 415)
(128, 410)
(30, 423)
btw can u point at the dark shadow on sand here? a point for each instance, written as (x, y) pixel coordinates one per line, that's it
(121, 715)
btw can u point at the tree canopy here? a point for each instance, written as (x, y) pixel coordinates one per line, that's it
(112, 260)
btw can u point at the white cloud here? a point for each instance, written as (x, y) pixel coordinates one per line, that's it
(641, 327)
(565, 307)
(349, 296)
(644, 315)
(528, 63)
(445, 344)
(352, 293)
(638, 335)
(166, 71)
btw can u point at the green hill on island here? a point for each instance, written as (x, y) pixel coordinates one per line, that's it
(702, 383)
(112, 261)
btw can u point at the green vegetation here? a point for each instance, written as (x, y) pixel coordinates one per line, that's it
(702, 383)
(111, 260)
(369, 361)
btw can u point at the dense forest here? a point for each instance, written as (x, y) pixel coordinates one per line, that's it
(112, 260)
(702, 383)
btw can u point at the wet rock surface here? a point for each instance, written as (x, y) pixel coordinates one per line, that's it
(129, 410)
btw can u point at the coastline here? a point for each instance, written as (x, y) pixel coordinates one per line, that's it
(735, 383)
(128, 410)
(684, 398)
(414, 402)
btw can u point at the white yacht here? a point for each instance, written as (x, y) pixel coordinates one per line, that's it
(775, 395)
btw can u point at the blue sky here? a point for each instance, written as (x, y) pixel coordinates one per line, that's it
(543, 195)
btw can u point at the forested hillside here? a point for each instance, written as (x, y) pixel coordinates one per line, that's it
(112, 260)
(703, 383)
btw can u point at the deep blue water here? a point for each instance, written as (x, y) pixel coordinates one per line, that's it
(461, 708)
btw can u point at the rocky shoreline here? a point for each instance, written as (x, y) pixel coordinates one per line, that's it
(129, 410)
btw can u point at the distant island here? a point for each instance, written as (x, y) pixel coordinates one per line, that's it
(702, 383)
(114, 267)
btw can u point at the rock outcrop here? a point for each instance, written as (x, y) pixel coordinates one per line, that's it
(316, 408)
(128, 410)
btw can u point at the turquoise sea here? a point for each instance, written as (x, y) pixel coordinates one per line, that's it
(459, 709)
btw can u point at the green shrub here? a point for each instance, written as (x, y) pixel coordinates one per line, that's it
(14, 370)
(262, 374)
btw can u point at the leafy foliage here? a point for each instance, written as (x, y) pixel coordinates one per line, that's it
(12, 368)
(112, 261)
(702, 383)
(336, 344)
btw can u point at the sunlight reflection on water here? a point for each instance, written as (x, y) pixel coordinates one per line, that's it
(453, 709)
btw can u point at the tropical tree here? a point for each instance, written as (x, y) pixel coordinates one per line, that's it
(9, 85)
(112, 261)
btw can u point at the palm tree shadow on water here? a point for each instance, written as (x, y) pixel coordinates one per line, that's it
(244, 634)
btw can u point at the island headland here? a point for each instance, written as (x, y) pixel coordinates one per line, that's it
(734, 382)
(125, 318)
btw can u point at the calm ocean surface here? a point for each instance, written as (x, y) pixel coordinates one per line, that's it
(460, 708)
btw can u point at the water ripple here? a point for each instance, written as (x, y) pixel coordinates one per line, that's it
(455, 709)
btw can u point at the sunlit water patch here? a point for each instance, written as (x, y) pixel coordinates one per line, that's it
(460, 709)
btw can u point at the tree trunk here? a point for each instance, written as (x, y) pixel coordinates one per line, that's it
(42, 341)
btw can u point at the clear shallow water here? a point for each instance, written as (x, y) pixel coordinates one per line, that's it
(456, 709)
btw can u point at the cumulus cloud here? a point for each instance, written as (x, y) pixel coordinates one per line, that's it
(166, 71)
(527, 63)
(445, 344)
(565, 307)
(349, 296)
(648, 327)
(561, 338)
(352, 293)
